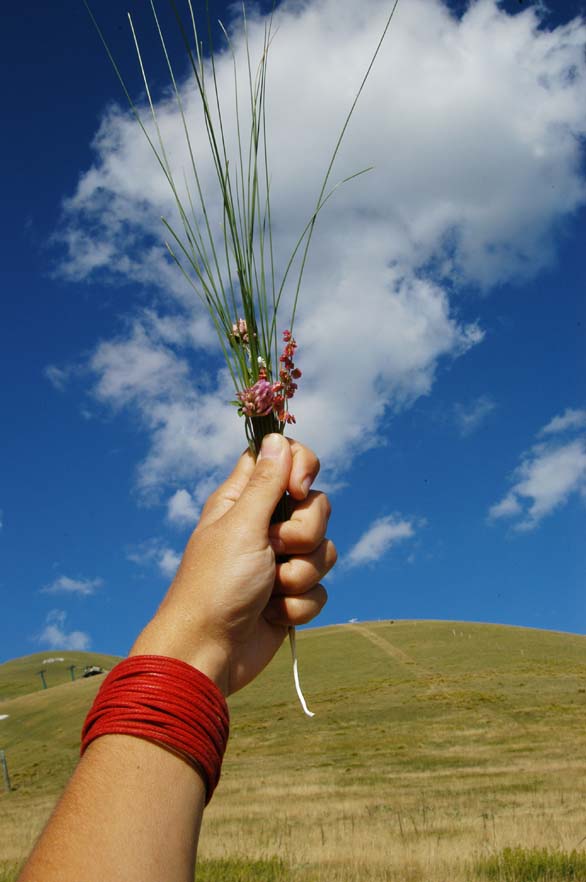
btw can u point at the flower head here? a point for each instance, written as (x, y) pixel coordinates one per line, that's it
(265, 397)
(257, 400)
(240, 332)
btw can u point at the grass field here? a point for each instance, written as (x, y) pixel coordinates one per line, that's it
(441, 752)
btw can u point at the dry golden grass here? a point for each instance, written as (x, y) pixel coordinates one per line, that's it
(21, 821)
(434, 745)
(421, 826)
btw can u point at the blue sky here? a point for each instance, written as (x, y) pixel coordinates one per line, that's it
(441, 326)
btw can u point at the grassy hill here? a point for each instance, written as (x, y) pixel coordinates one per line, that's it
(436, 747)
(22, 675)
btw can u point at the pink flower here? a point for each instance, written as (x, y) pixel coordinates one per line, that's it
(257, 400)
(240, 332)
(264, 397)
(285, 389)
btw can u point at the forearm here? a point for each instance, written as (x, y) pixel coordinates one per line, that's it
(131, 813)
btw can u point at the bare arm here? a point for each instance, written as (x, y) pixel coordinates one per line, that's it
(132, 810)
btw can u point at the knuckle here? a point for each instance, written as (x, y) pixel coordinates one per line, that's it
(325, 510)
(210, 503)
(325, 506)
(332, 553)
(284, 576)
(322, 596)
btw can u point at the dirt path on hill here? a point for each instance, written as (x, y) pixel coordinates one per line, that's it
(391, 650)
(419, 671)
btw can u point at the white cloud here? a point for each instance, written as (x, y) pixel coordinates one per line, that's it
(474, 126)
(548, 475)
(54, 635)
(168, 562)
(58, 377)
(471, 124)
(571, 419)
(181, 508)
(65, 585)
(469, 417)
(191, 427)
(136, 365)
(194, 432)
(508, 507)
(155, 552)
(377, 540)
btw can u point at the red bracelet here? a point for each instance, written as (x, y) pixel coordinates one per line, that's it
(166, 701)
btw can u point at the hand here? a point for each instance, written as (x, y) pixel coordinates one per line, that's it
(232, 601)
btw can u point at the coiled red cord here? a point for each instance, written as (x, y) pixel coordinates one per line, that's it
(166, 701)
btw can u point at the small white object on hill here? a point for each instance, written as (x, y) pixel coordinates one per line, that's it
(4, 716)
(49, 661)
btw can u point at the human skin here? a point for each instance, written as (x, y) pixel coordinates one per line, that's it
(132, 810)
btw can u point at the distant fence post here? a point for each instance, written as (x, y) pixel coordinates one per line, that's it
(71, 669)
(5, 774)
(42, 676)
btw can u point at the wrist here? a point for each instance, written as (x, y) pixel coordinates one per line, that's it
(166, 701)
(197, 650)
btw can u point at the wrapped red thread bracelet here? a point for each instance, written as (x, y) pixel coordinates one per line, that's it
(166, 701)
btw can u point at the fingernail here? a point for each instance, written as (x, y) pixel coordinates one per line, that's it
(272, 446)
(305, 485)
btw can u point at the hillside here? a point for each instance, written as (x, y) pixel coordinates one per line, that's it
(435, 745)
(21, 676)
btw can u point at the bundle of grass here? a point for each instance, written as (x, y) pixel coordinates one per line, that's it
(533, 865)
(243, 869)
(231, 266)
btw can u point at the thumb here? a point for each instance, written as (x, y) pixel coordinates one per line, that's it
(267, 483)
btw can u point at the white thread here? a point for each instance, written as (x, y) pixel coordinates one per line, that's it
(293, 646)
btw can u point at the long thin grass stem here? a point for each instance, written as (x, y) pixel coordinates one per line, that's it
(236, 280)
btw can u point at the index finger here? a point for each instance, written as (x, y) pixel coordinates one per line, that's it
(304, 469)
(306, 529)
